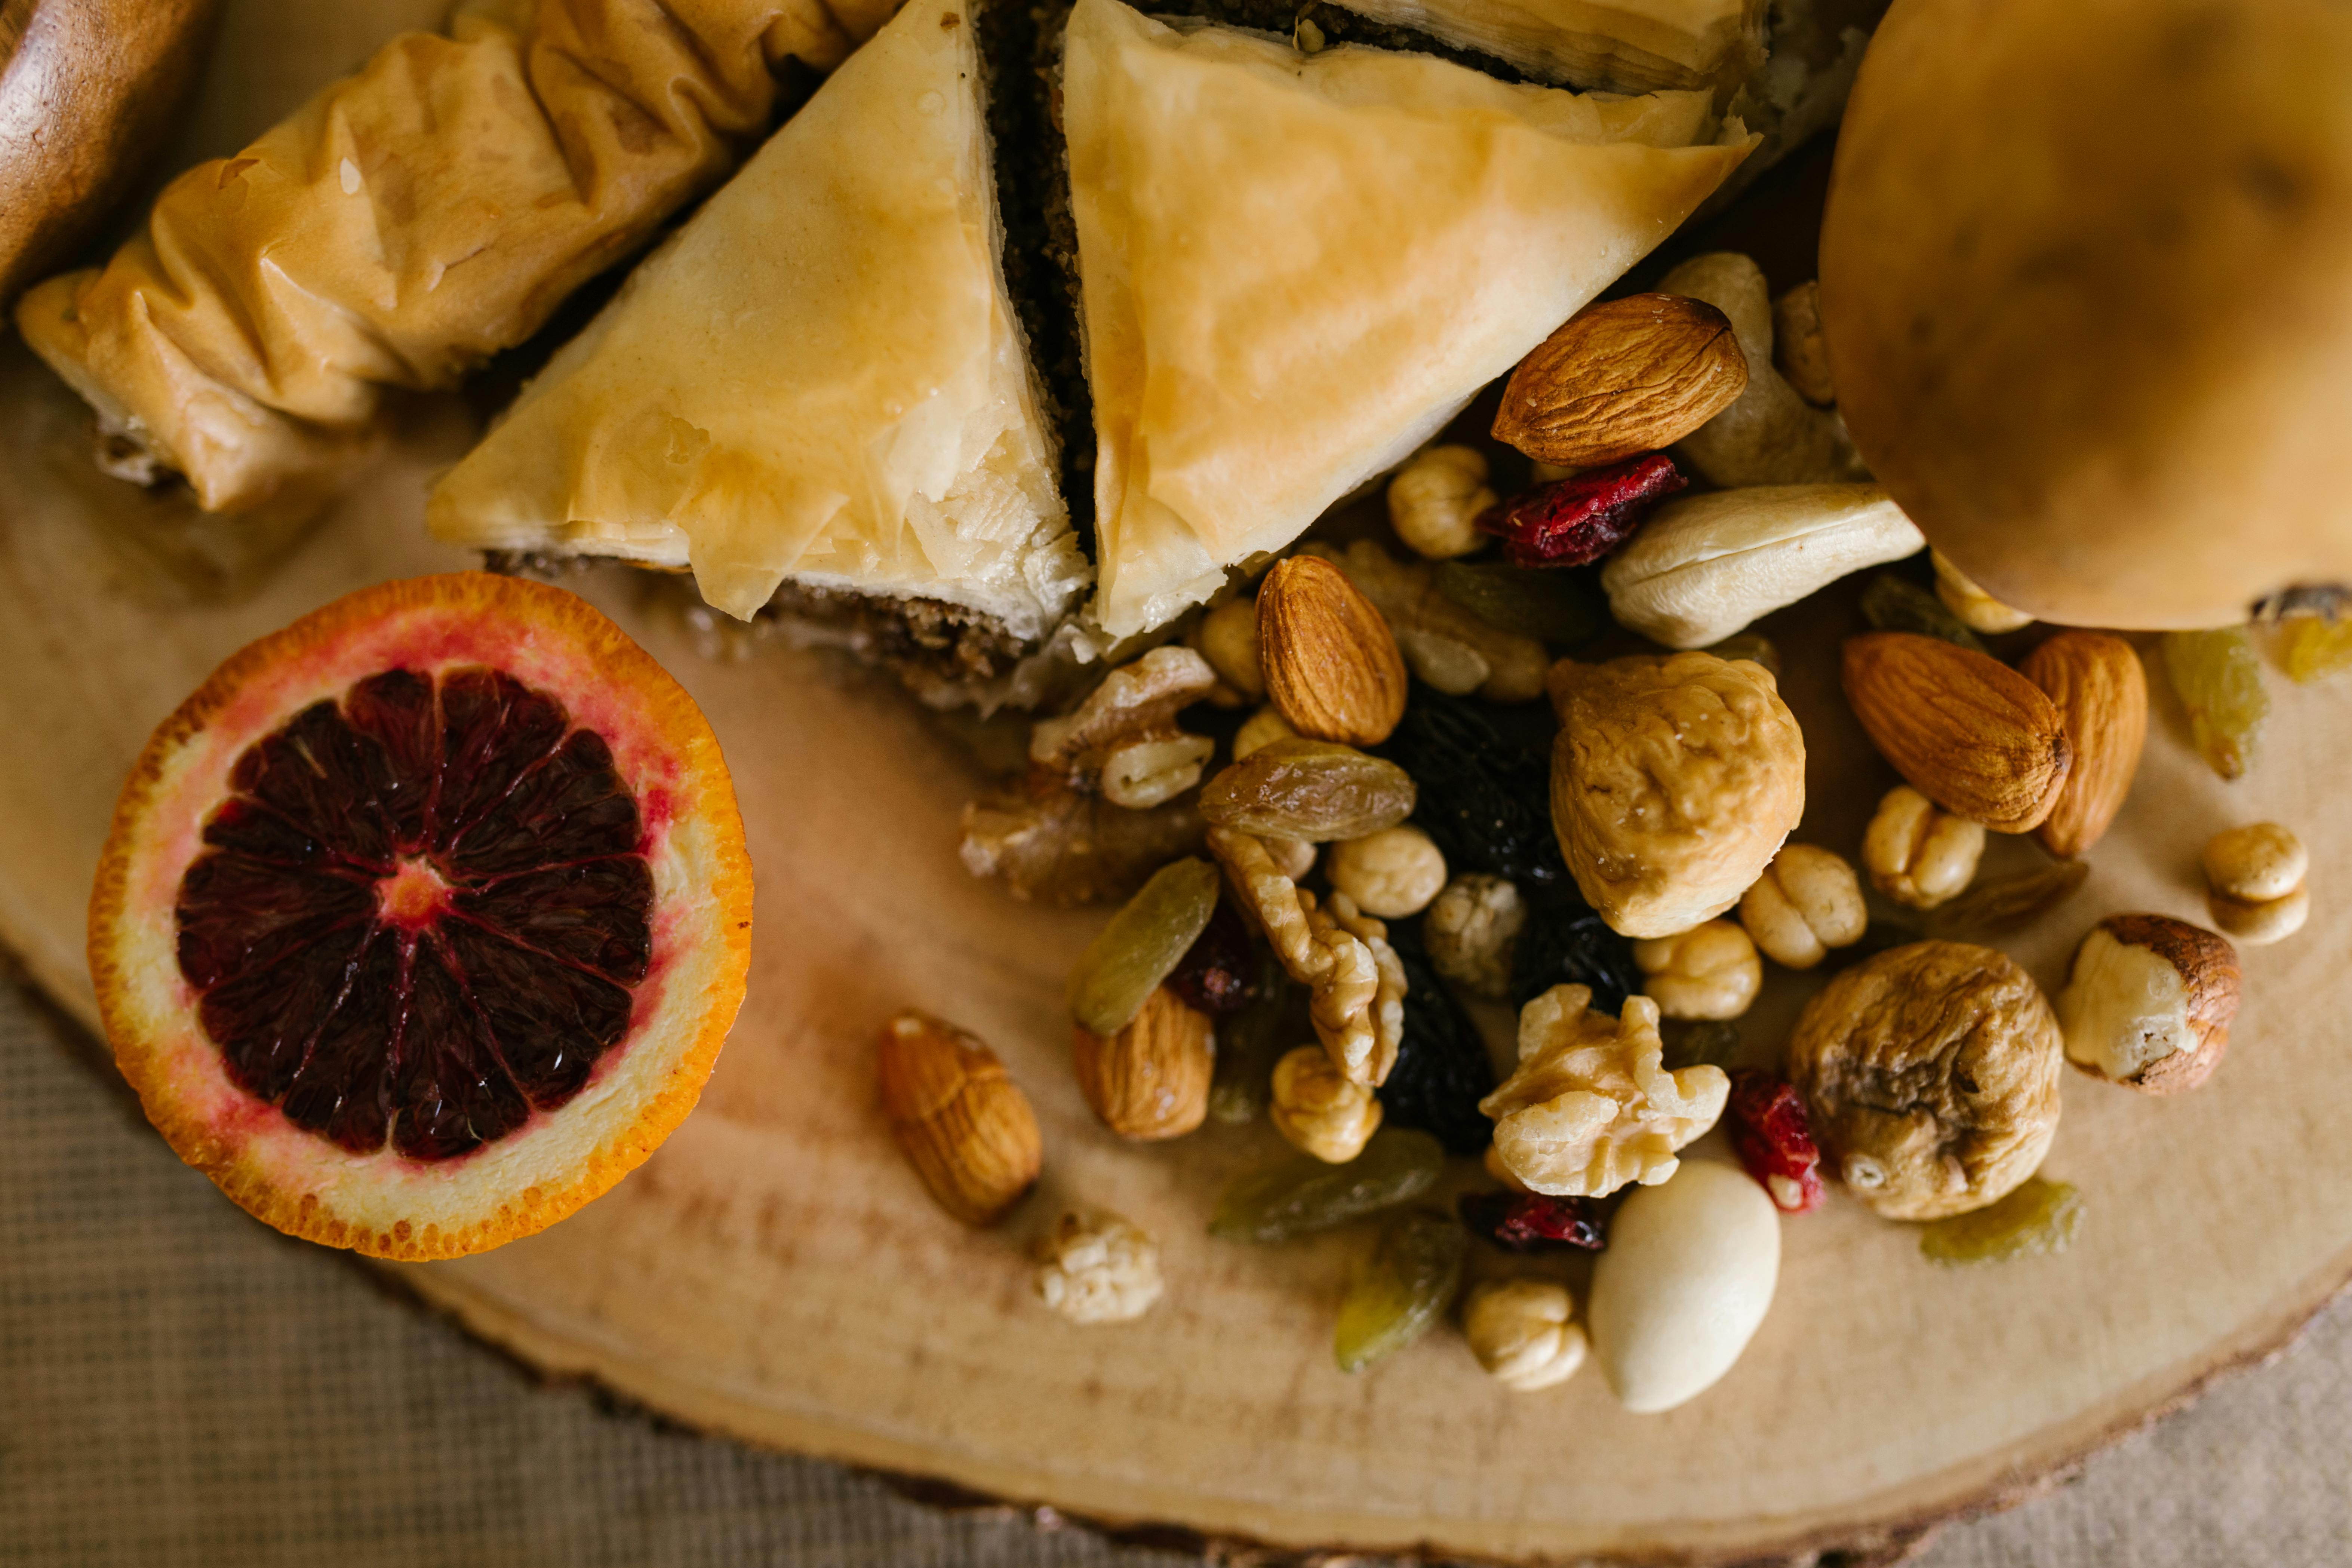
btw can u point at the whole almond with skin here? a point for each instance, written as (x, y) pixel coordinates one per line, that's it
(1622, 378)
(1964, 729)
(965, 1127)
(1331, 662)
(2095, 679)
(1151, 1080)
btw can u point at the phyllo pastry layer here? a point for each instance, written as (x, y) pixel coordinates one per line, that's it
(820, 378)
(1297, 268)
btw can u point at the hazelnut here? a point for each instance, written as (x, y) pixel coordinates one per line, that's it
(1808, 901)
(1673, 782)
(1392, 873)
(1227, 638)
(1435, 501)
(1918, 853)
(1591, 1106)
(2149, 1003)
(2257, 876)
(1521, 1333)
(1318, 1110)
(1471, 932)
(1931, 1077)
(1710, 971)
(1097, 1268)
(1263, 728)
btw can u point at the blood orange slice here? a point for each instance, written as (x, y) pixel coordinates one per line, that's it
(423, 920)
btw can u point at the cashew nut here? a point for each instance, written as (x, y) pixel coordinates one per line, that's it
(1704, 567)
(1771, 436)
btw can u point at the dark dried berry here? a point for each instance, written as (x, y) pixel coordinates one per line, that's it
(1530, 1221)
(1442, 1070)
(1484, 803)
(1565, 943)
(1576, 520)
(1775, 1141)
(1216, 974)
(1709, 1042)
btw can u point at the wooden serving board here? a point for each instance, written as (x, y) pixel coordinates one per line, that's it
(776, 1273)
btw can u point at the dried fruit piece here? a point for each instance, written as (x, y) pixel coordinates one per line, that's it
(1217, 974)
(1480, 799)
(963, 1123)
(1534, 1222)
(1930, 1078)
(1142, 945)
(2218, 677)
(394, 885)
(1968, 732)
(1577, 521)
(1620, 378)
(2009, 902)
(1310, 790)
(2315, 647)
(1892, 604)
(1442, 1070)
(1774, 1139)
(1151, 1080)
(1565, 943)
(2040, 1217)
(1302, 1195)
(1412, 1275)
(1557, 607)
(1331, 663)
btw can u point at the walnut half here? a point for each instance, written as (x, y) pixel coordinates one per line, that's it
(1930, 1074)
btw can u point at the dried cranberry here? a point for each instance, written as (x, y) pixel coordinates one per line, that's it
(1530, 1221)
(1217, 975)
(1577, 521)
(1775, 1142)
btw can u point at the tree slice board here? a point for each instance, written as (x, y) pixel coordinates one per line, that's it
(776, 1272)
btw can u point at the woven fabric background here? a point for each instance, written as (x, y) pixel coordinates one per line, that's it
(182, 1388)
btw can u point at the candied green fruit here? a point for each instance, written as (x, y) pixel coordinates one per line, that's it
(2218, 677)
(1547, 604)
(2315, 648)
(2039, 1217)
(1143, 946)
(1405, 1286)
(1303, 1194)
(1892, 604)
(1315, 790)
(2009, 902)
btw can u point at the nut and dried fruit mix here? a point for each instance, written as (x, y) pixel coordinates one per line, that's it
(1468, 908)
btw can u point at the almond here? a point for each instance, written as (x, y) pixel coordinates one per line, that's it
(1968, 732)
(965, 1127)
(1331, 662)
(1622, 378)
(2101, 692)
(1151, 1080)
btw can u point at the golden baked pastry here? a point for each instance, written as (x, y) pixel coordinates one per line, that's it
(409, 222)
